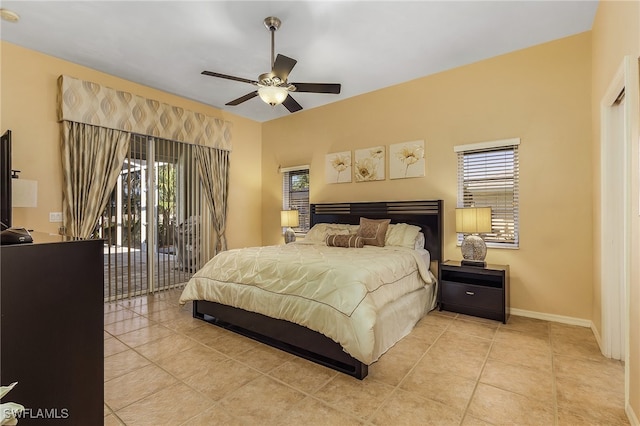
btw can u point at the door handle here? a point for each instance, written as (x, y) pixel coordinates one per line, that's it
(470, 293)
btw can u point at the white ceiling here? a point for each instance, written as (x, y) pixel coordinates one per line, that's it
(364, 45)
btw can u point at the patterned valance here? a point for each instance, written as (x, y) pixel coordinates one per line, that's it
(90, 103)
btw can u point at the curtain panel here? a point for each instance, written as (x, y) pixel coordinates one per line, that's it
(213, 165)
(90, 103)
(92, 158)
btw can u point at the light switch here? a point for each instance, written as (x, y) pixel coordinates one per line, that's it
(55, 216)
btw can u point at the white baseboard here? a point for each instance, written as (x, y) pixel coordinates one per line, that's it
(552, 317)
(562, 319)
(631, 415)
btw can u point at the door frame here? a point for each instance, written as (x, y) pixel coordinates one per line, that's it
(614, 313)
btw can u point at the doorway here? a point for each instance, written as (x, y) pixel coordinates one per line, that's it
(614, 227)
(619, 210)
(154, 238)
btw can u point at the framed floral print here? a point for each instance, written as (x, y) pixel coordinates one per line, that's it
(338, 167)
(369, 165)
(406, 160)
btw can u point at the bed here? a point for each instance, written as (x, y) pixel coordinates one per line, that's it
(278, 295)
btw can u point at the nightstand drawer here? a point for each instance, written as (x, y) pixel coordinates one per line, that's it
(486, 298)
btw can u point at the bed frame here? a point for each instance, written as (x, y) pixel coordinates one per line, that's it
(300, 340)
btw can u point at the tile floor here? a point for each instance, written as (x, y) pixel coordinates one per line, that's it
(162, 367)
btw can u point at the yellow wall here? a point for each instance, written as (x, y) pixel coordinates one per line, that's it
(547, 95)
(28, 108)
(540, 94)
(616, 33)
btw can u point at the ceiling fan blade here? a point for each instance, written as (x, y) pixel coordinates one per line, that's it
(291, 104)
(318, 87)
(243, 98)
(229, 77)
(283, 66)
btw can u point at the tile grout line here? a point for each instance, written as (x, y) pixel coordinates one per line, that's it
(228, 357)
(450, 326)
(271, 377)
(247, 365)
(397, 387)
(178, 380)
(321, 401)
(475, 387)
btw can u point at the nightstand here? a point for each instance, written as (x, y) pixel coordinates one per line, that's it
(481, 292)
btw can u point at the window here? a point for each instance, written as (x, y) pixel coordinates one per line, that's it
(488, 174)
(295, 194)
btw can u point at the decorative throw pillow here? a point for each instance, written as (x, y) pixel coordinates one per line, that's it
(344, 241)
(318, 233)
(402, 234)
(373, 231)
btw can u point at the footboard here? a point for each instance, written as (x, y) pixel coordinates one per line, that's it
(281, 334)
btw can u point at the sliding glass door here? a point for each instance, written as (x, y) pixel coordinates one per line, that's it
(154, 234)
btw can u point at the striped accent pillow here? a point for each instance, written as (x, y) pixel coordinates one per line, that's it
(344, 241)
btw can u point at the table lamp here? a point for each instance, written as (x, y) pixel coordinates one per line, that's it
(472, 221)
(289, 219)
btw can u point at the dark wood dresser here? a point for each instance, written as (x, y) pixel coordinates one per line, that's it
(52, 334)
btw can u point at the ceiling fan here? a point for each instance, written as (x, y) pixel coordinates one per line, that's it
(273, 86)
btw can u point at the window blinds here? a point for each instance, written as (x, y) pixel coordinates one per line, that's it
(295, 194)
(154, 236)
(488, 177)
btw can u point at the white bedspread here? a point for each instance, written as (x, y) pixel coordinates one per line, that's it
(333, 290)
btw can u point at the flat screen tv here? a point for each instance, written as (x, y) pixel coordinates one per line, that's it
(5, 180)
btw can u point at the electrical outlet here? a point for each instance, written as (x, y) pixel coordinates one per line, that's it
(55, 216)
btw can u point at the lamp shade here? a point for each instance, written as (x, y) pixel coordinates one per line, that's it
(473, 220)
(289, 218)
(24, 193)
(273, 95)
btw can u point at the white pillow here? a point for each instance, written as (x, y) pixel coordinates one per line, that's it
(419, 243)
(403, 235)
(318, 233)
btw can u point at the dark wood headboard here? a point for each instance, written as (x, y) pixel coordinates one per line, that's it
(428, 215)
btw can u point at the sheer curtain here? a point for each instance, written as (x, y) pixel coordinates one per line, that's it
(213, 165)
(92, 158)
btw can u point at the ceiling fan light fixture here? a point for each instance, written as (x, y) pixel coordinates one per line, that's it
(273, 95)
(9, 15)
